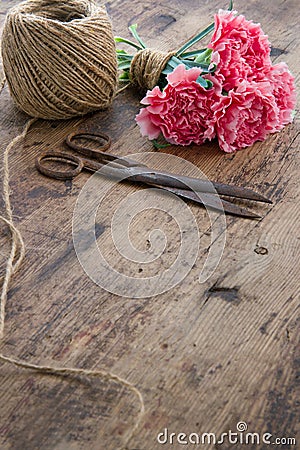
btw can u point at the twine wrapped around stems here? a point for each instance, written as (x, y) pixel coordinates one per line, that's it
(147, 65)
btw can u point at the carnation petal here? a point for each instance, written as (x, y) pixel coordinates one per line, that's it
(180, 74)
(284, 91)
(250, 116)
(243, 48)
(177, 75)
(147, 128)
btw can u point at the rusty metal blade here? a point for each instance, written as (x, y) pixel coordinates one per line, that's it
(211, 201)
(142, 174)
(240, 192)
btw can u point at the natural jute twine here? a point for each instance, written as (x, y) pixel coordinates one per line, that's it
(59, 57)
(59, 60)
(13, 263)
(147, 66)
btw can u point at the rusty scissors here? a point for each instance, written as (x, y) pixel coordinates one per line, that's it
(126, 168)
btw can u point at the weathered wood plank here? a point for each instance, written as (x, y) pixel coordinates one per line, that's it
(205, 356)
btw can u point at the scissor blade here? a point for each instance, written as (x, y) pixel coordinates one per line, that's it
(210, 201)
(143, 174)
(240, 192)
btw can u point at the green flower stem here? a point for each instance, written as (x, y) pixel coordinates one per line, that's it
(133, 30)
(195, 39)
(126, 41)
(195, 58)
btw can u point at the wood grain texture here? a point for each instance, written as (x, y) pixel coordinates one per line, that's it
(204, 356)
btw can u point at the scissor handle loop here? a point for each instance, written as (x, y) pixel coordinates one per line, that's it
(102, 139)
(62, 158)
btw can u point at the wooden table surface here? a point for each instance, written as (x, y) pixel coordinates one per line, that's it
(204, 356)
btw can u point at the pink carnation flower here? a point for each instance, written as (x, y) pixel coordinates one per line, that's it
(184, 112)
(284, 92)
(241, 49)
(249, 113)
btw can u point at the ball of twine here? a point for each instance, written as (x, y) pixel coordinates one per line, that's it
(59, 57)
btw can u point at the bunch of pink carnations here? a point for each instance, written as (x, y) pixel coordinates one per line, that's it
(246, 97)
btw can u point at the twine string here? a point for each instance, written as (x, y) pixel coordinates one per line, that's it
(13, 263)
(83, 78)
(17, 243)
(69, 371)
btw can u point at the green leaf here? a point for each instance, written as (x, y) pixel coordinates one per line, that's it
(167, 70)
(158, 146)
(176, 60)
(205, 57)
(124, 76)
(193, 53)
(173, 63)
(189, 64)
(133, 30)
(195, 39)
(202, 82)
(124, 57)
(207, 84)
(201, 35)
(126, 41)
(124, 65)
